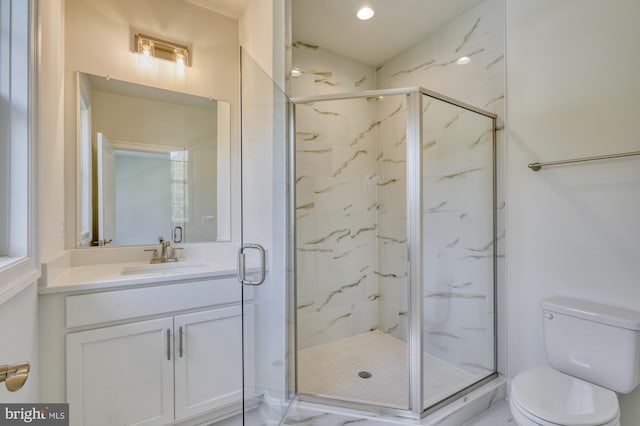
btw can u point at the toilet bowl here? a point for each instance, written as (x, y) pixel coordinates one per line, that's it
(546, 397)
(593, 352)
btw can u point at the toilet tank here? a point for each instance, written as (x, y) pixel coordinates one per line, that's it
(594, 342)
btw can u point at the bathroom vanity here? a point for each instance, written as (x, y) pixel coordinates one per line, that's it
(127, 343)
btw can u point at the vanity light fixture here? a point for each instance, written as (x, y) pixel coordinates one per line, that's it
(463, 60)
(365, 13)
(149, 46)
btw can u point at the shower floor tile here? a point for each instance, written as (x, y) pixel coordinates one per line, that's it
(331, 370)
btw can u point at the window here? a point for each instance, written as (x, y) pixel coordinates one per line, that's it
(179, 187)
(17, 263)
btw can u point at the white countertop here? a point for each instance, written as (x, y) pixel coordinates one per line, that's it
(109, 276)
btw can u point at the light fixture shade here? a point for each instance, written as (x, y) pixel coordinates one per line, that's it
(162, 49)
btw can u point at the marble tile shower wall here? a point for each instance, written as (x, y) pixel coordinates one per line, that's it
(392, 219)
(336, 199)
(457, 158)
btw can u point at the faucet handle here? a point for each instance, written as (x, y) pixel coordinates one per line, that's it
(174, 255)
(155, 258)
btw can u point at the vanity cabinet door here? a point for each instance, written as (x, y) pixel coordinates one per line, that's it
(208, 369)
(121, 375)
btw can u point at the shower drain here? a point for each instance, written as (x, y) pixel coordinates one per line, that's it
(364, 375)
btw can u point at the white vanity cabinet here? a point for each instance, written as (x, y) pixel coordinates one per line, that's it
(121, 375)
(153, 355)
(208, 372)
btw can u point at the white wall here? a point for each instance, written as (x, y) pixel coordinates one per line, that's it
(19, 316)
(51, 194)
(256, 33)
(572, 91)
(98, 39)
(262, 34)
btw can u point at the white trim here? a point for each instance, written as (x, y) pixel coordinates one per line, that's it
(5, 113)
(24, 270)
(83, 237)
(34, 71)
(18, 276)
(223, 175)
(145, 147)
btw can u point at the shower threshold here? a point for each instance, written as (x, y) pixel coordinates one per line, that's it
(333, 370)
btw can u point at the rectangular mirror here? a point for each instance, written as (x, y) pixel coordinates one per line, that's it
(151, 163)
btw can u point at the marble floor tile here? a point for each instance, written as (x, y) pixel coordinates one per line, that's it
(498, 415)
(460, 413)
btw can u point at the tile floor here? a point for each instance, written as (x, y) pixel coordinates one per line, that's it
(331, 370)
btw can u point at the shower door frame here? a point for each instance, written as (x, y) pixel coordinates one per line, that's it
(414, 97)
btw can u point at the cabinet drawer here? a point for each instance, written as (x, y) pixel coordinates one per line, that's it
(97, 308)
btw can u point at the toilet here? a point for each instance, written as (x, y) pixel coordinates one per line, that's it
(594, 353)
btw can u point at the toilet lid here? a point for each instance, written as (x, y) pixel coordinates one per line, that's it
(558, 398)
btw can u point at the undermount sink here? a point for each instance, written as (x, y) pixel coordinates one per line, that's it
(163, 268)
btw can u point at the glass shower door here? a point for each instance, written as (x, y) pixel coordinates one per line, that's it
(262, 259)
(458, 248)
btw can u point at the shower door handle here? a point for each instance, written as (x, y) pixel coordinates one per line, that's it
(242, 275)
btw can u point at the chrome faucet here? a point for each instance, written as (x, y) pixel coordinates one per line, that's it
(164, 257)
(163, 245)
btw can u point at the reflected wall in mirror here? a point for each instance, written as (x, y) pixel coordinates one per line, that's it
(151, 163)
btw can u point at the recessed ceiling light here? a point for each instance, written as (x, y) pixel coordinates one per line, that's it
(295, 72)
(463, 60)
(365, 13)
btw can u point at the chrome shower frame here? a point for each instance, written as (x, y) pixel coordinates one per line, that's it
(414, 100)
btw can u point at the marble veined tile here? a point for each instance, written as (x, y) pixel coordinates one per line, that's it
(327, 72)
(483, 405)
(498, 415)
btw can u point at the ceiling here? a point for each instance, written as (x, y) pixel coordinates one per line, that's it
(332, 24)
(231, 8)
(396, 26)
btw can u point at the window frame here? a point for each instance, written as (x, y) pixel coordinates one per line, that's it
(19, 261)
